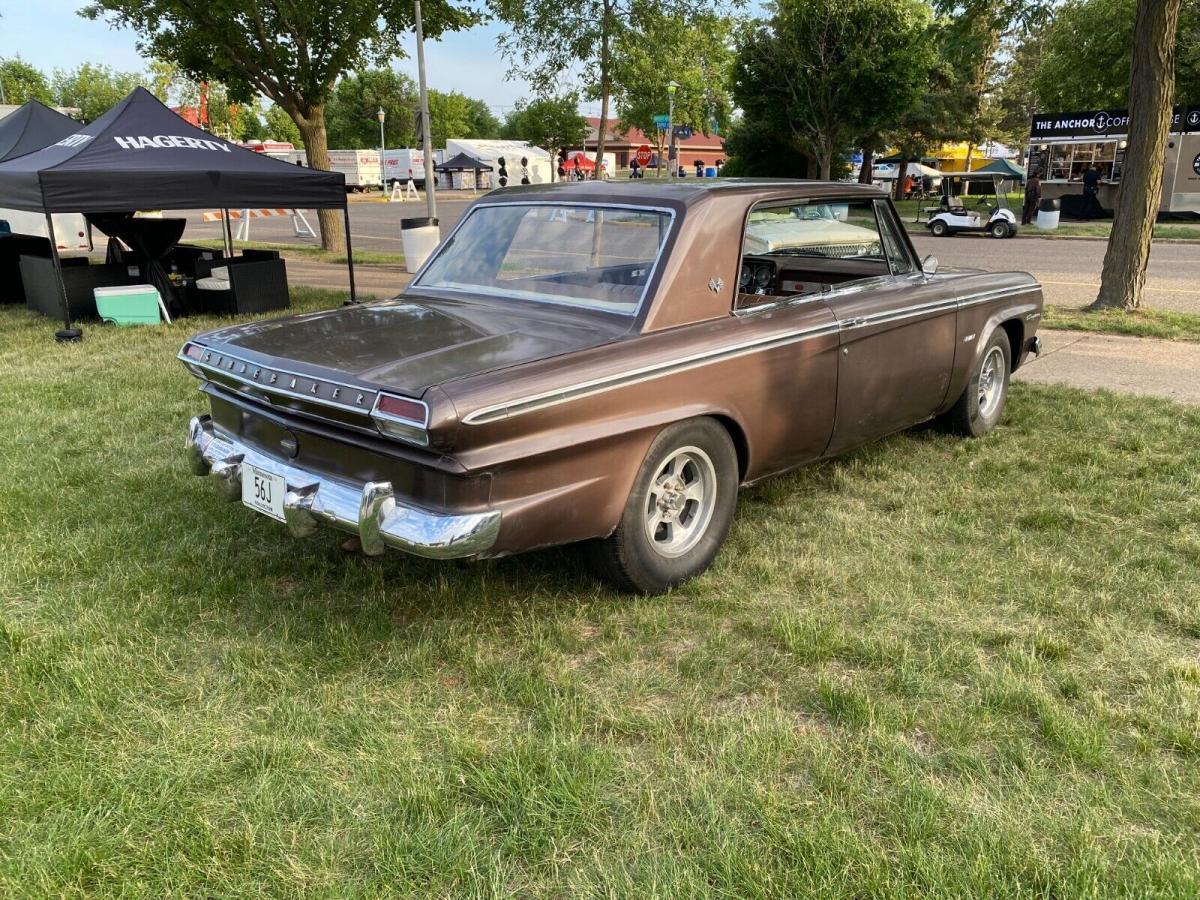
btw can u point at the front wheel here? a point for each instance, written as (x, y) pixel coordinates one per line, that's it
(980, 406)
(938, 228)
(678, 512)
(1000, 229)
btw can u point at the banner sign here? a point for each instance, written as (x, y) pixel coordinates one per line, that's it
(1104, 123)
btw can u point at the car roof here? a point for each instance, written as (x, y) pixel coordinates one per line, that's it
(684, 191)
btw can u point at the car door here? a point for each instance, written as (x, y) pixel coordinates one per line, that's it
(897, 339)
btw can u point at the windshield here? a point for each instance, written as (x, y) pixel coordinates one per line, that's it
(588, 256)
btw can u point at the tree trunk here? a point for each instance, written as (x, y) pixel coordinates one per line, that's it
(970, 154)
(901, 174)
(824, 162)
(868, 166)
(311, 123)
(1151, 90)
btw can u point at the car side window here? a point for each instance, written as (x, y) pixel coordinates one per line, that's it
(894, 247)
(807, 246)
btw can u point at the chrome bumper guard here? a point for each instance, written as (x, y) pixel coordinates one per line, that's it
(369, 510)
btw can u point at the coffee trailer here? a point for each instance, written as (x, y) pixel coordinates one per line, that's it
(1063, 145)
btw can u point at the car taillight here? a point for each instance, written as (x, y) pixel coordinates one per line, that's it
(402, 418)
(196, 352)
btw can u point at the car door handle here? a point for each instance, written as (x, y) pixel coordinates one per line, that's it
(854, 322)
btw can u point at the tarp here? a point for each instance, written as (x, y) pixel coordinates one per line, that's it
(1004, 168)
(140, 155)
(462, 163)
(32, 127)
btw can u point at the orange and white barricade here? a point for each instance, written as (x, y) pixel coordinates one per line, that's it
(300, 223)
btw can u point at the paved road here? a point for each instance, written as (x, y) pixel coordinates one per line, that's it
(1068, 268)
(1116, 363)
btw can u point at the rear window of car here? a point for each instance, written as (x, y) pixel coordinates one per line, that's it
(583, 255)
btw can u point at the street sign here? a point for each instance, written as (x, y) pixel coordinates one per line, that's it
(644, 155)
(661, 122)
(683, 131)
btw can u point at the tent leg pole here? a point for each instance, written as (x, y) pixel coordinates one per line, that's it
(349, 253)
(66, 333)
(226, 234)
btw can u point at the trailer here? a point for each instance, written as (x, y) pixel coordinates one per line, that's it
(361, 168)
(70, 229)
(397, 164)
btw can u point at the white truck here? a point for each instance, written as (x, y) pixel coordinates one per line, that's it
(71, 231)
(398, 163)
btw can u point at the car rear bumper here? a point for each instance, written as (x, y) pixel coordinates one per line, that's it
(369, 509)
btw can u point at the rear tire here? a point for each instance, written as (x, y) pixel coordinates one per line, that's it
(981, 405)
(678, 513)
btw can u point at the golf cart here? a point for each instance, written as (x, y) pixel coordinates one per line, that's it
(959, 211)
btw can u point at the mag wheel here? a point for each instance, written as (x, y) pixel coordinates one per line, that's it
(938, 228)
(977, 411)
(678, 513)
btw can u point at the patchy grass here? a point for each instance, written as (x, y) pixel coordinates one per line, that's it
(1152, 323)
(931, 668)
(308, 251)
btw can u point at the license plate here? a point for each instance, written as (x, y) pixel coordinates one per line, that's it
(263, 491)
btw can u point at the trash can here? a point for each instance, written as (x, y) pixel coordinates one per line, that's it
(710, 172)
(420, 236)
(1048, 212)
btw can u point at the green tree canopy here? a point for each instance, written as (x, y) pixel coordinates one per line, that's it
(552, 41)
(455, 115)
(94, 88)
(697, 54)
(278, 126)
(292, 52)
(1085, 56)
(828, 72)
(552, 123)
(22, 82)
(355, 104)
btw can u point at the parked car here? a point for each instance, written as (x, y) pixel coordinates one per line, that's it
(606, 362)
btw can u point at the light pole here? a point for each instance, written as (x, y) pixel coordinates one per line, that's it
(672, 87)
(426, 138)
(381, 115)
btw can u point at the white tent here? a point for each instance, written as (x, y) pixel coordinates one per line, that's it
(915, 169)
(490, 152)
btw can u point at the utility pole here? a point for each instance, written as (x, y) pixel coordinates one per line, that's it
(426, 137)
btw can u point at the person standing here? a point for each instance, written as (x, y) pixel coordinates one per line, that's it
(1091, 189)
(1033, 196)
(633, 168)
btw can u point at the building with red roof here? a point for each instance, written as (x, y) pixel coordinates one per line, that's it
(624, 143)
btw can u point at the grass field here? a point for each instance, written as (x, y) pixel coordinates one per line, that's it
(1164, 324)
(932, 668)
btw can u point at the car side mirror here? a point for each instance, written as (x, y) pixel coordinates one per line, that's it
(929, 265)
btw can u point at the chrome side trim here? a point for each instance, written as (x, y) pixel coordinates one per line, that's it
(499, 411)
(369, 510)
(577, 391)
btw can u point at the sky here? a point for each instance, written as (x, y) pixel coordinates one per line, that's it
(49, 35)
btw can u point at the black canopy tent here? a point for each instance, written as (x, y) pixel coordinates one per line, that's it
(462, 163)
(32, 127)
(141, 155)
